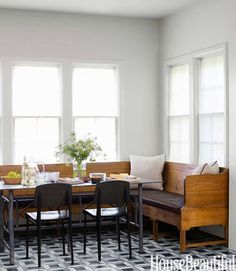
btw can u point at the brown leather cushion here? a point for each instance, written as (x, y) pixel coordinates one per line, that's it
(165, 200)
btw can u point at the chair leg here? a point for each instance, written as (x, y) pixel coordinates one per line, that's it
(182, 241)
(71, 241)
(118, 231)
(85, 232)
(226, 235)
(99, 238)
(39, 242)
(63, 238)
(129, 236)
(155, 230)
(27, 238)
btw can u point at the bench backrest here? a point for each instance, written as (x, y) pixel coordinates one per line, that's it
(66, 170)
(108, 167)
(174, 174)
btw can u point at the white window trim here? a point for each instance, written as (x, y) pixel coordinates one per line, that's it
(66, 118)
(193, 60)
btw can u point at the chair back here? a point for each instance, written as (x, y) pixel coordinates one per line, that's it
(53, 195)
(112, 192)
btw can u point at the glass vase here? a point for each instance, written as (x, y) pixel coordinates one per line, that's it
(78, 169)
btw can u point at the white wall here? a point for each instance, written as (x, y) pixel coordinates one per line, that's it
(204, 24)
(133, 42)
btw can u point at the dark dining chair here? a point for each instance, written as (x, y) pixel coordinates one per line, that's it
(57, 198)
(117, 195)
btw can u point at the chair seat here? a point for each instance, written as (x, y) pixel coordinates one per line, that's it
(49, 215)
(107, 212)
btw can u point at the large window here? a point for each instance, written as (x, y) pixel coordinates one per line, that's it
(44, 102)
(211, 92)
(36, 111)
(179, 137)
(95, 106)
(196, 109)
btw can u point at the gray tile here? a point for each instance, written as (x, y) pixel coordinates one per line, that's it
(112, 259)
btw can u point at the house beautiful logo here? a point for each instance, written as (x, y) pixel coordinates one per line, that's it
(188, 263)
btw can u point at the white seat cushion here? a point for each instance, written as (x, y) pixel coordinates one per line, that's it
(107, 212)
(50, 215)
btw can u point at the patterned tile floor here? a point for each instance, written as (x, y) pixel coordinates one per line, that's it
(112, 259)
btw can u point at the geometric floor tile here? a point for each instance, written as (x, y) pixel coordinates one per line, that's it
(112, 258)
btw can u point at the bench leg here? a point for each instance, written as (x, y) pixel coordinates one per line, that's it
(155, 230)
(182, 241)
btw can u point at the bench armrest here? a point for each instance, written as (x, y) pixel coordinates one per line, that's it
(207, 191)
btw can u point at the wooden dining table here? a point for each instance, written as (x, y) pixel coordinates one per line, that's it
(10, 192)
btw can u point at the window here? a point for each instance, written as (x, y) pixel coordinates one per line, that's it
(211, 109)
(36, 111)
(196, 108)
(179, 137)
(95, 106)
(43, 102)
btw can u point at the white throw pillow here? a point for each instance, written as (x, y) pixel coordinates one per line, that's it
(211, 168)
(214, 167)
(199, 169)
(148, 168)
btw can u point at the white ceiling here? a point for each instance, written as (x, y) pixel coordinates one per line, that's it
(129, 8)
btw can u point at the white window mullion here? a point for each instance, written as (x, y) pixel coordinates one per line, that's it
(7, 125)
(165, 121)
(194, 110)
(66, 86)
(226, 105)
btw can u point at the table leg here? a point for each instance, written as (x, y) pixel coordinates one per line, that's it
(140, 204)
(136, 210)
(11, 227)
(1, 224)
(80, 211)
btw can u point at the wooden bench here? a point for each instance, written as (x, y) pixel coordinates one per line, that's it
(187, 200)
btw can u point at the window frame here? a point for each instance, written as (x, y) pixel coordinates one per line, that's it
(115, 117)
(169, 67)
(193, 59)
(59, 117)
(198, 67)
